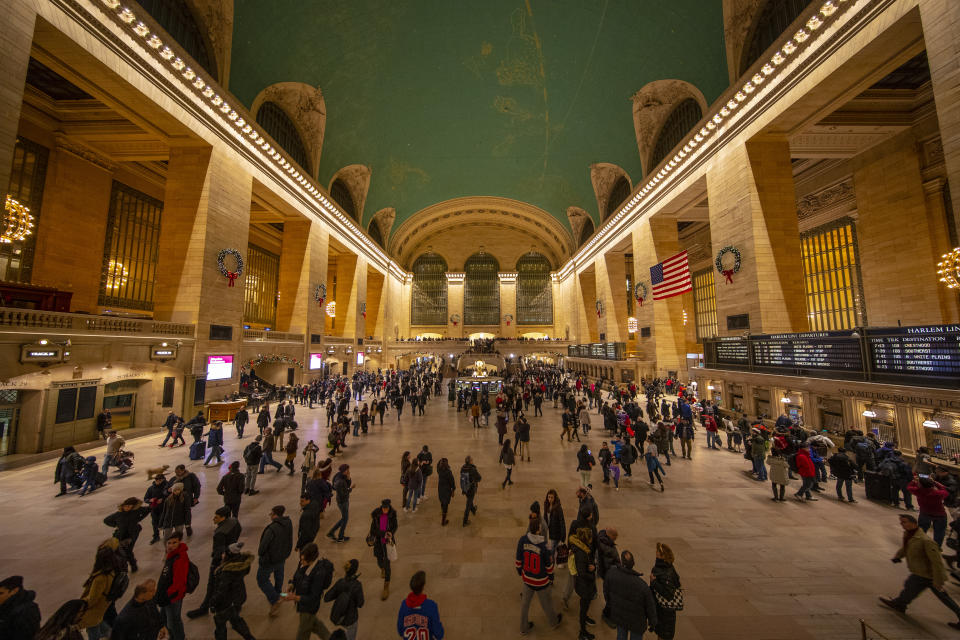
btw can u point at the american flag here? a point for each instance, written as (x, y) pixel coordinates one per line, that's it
(671, 277)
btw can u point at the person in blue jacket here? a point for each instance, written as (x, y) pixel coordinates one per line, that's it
(215, 442)
(418, 613)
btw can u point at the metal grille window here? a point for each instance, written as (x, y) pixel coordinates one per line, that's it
(177, 19)
(341, 193)
(619, 193)
(428, 302)
(27, 175)
(278, 124)
(534, 290)
(374, 231)
(130, 249)
(774, 19)
(831, 269)
(705, 304)
(481, 290)
(586, 231)
(680, 121)
(260, 286)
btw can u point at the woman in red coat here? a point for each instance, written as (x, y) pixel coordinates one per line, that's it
(808, 474)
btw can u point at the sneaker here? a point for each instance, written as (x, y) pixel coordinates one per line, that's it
(840, 498)
(189, 531)
(893, 605)
(254, 492)
(851, 501)
(344, 539)
(196, 613)
(812, 499)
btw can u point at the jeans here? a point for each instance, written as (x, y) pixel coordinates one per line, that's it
(310, 624)
(268, 459)
(107, 461)
(712, 438)
(174, 620)
(915, 585)
(412, 496)
(264, 571)
(470, 508)
(821, 468)
(625, 634)
(546, 603)
(939, 526)
(898, 488)
(167, 439)
(342, 522)
(805, 486)
(760, 468)
(98, 631)
(848, 483)
(216, 451)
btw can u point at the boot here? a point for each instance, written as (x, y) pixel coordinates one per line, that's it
(198, 612)
(386, 591)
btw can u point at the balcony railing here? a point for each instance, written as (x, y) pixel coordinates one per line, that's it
(257, 335)
(53, 322)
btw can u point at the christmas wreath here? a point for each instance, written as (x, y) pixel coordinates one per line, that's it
(599, 307)
(320, 293)
(226, 273)
(728, 273)
(640, 292)
(509, 318)
(455, 318)
(272, 358)
(363, 310)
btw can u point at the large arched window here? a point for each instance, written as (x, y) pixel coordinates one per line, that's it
(428, 302)
(481, 290)
(374, 231)
(619, 193)
(774, 19)
(585, 231)
(278, 124)
(341, 193)
(534, 290)
(681, 120)
(177, 19)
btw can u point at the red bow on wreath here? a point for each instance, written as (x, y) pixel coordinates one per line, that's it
(320, 301)
(231, 276)
(728, 273)
(640, 300)
(454, 323)
(508, 323)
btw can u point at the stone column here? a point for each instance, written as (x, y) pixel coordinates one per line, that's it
(303, 265)
(454, 304)
(206, 209)
(376, 302)
(611, 270)
(897, 255)
(508, 304)
(753, 208)
(653, 242)
(588, 325)
(72, 229)
(351, 292)
(19, 17)
(941, 33)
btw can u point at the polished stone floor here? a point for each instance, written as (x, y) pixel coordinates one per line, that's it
(751, 568)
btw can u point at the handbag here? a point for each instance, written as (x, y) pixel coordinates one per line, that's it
(563, 553)
(392, 551)
(674, 603)
(371, 540)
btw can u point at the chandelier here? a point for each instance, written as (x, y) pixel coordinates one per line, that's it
(949, 269)
(17, 221)
(332, 309)
(116, 275)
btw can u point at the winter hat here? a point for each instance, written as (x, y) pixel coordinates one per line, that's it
(223, 512)
(236, 547)
(344, 467)
(235, 465)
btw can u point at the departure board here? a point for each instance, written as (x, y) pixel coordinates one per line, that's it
(732, 351)
(823, 351)
(927, 352)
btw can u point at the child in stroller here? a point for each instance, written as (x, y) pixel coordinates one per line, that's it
(91, 476)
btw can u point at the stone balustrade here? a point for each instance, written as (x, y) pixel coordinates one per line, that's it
(84, 323)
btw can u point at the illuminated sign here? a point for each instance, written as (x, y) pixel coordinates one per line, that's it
(316, 360)
(219, 367)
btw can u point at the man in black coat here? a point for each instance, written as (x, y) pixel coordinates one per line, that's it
(469, 483)
(191, 489)
(309, 521)
(311, 578)
(126, 519)
(155, 495)
(226, 531)
(240, 421)
(632, 607)
(276, 543)
(140, 619)
(19, 614)
(229, 592)
(232, 487)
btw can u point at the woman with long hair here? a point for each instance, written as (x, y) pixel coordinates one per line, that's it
(64, 624)
(404, 467)
(106, 566)
(667, 592)
(507, 459)
(446, 487)
(556, 525)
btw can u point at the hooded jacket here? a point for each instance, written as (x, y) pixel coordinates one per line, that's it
(419, 612)
(226, 533)
(231, 487)
(534, 561)
(631, 602)
(446, 485)
(349, 585)
(228, 581)
(841, 466)
(309, 524)
(127, 523)
(172, 584)
(276, 541)
(607, 556)
(804, 465)
(585, 582)
(19, 616)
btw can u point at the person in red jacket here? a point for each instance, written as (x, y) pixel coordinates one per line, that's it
(172, 585)
(710, 424)
(930, 496)
(808, 474)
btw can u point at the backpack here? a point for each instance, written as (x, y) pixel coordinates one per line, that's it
(338, 612)
(118, 587)
(466, 483)
(193, 578)
(327, 567)
(247, 453)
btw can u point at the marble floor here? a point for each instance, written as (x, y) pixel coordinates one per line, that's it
(751, 568)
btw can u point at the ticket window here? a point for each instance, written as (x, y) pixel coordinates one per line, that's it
(763, 404)
(943, 440)
(883, 424)
(714, 392)
(736, 398)
(831, 415)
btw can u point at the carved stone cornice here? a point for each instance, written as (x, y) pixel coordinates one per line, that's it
(68, 145)
(837, 197)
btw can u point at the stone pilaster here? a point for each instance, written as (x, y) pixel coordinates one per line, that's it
(588, 329)
(753, 208)
(454, 304)
(611, 269)
(376, 303)
(508, 304)
(351, 292)
(16, 36)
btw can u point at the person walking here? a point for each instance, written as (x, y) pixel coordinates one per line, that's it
(154, 499)
(631, 603)
(252, 454)
(19, 613)
(585, 576)
(425, 458)
(312, 576)
(96, 590)
(585, 462)
(276, 543)
(808, 475)
(309, 525)
(523, 437)
(267, 451)
(232, 486)
(126, 522)
(308, 464)
(414, 482)
(556, 532)
(507, 459)
(926, 567)
(843, 468)
(383, 529)
(469, 484)
(419, 616)
(346, 594)
(191, 491)
(215, 442)
(779, 475)
(240, 421)
(140, 619)
(605, 457)
(446, 487)
(667, 592)
(226, 531)
(342, 486)
(654, 467)
(172, 585)
(229, 592)
(176, 511)
(169, 423)
(534, 564)
(930, 496)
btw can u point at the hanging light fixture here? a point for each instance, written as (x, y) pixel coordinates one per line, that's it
(17, 221)
(332, 309)
(116, 275)
(949, 269)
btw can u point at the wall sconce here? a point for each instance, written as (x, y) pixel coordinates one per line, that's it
(869, 413)
(931, 424)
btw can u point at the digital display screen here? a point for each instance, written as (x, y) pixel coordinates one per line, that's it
(359, 358)
(732, 352)
(316, 360)
(825, 350)
(219, 367)
(930, 352)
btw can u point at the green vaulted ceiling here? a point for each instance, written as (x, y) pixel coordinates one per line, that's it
(450, 98)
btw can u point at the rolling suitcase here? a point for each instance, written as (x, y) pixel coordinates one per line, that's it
(197, 450)
(877, 486)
